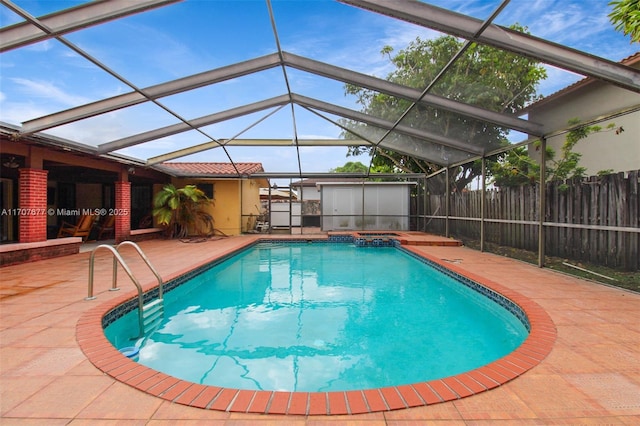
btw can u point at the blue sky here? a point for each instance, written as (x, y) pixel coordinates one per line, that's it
(198, 35)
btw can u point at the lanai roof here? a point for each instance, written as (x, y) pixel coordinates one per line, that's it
(151, 104)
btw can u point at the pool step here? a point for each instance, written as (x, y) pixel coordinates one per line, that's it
(152, 314)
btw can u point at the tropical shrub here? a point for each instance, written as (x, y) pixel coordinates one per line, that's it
(181, 211)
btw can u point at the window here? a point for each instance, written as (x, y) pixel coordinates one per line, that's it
(207, 188)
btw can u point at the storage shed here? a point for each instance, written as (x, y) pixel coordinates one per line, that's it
(365, 205)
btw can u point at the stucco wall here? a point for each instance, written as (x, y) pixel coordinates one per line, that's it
(251, 206)
(600, 151)
(234, 200)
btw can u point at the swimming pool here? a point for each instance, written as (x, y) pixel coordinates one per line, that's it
(104, 356)
(324, 317)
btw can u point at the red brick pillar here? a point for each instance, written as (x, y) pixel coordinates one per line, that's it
(32, 221)
(123, 210)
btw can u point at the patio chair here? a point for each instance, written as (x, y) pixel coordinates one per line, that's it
(262, 226)
(107, 227)
(81, 229)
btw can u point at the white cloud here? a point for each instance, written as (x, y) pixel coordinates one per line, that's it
(48, 90)
(43, 46)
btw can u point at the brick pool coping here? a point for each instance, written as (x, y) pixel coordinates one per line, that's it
(102, 354)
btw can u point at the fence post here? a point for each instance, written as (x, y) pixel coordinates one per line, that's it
(482, 201)
(446, 204)
(426, 204)
(542, 195)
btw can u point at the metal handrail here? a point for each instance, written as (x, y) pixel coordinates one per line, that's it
(117, 258)
(146, 260)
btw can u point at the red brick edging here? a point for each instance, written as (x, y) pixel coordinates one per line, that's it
(534, 349)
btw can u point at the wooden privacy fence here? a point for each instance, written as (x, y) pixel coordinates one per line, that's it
(593, 220)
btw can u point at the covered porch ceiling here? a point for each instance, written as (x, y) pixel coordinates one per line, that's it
(292, 109)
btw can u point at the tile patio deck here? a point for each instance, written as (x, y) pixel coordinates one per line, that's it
(591, 376)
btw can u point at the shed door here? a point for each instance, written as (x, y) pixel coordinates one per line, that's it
(343, 208)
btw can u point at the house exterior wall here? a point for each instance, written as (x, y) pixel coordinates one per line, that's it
(251, 204)
(227, 206)
(33, 201)
(88, 195)
(234, 199)
(600, 151)
(59, 167)
(123, 201)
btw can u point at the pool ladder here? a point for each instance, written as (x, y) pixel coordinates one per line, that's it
(149, 315)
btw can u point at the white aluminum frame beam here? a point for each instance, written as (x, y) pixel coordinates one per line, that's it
(263, 143)
(73, 19)
(300, 142)
(404, 92)
(105, 68)
(271, 142)
(152, 92)
(278, 101)
(385, 124)
(191, 124)
(504, 38)
(264, 63)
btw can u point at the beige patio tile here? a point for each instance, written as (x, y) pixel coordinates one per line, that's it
(591, 375)
(172, 411)
(614, 391)
(14, 334)
(35, 422)
(564, 359)
(501, 404)
(119, 401)
(108, 422)
(64, 397)
(51, 338)
(14, 357)
(14, 390)
(363, 420)
(550, 396)
(613, 357)
(442, 411)
(50, 362)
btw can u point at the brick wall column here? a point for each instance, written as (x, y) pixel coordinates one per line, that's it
(123, 207)
(32, 221)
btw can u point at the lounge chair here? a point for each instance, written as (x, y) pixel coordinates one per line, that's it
(107, 227)
(81, 229)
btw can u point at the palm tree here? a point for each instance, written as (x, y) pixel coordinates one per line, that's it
(181, 210)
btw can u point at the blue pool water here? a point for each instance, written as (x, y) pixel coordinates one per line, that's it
(322, 317)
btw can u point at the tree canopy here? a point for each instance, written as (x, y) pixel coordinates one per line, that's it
(483, 76)
(625, 15)
(350, 167)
